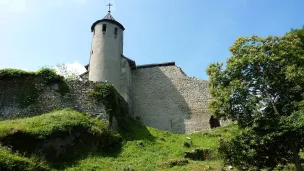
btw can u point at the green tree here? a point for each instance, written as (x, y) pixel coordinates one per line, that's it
(262, 88)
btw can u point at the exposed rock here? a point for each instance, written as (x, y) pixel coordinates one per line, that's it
(199, 154)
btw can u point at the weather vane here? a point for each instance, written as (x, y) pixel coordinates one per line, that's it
(109, 5)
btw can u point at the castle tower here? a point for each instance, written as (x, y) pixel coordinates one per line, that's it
(106, 51)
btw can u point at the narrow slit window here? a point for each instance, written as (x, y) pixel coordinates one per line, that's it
(104, 27)
(115, 31)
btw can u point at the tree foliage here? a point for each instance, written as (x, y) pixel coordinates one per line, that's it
(262, 88)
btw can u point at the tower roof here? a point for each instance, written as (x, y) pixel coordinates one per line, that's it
(107, 18)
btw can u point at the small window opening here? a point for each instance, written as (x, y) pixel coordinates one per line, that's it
(104, 27)
(92, 52)
(115, 31)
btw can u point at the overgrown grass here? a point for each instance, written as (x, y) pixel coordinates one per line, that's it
(57, 139)
(143, 148)
(10, 161)
(44, 125)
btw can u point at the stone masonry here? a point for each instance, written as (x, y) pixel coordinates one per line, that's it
(49, 100)
(167, 99)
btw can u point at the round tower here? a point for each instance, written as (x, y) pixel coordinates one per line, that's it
(106, 51)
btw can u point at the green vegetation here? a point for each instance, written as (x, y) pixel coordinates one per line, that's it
(143, 148)
(113, 102)
(262, 88)
(146, 148)
(29, 83)
(107, 94)
(55, 138)
(48, 75)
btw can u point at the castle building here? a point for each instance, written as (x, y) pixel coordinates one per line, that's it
(159, 95)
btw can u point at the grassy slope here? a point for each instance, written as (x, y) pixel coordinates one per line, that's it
(143, 148)
(157, 147)
(44, 125)
(29, 131)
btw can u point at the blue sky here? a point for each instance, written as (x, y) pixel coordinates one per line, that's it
(193, 33)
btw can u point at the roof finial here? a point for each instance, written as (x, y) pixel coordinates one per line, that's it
(109, 5)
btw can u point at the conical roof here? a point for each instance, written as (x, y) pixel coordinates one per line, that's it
(108, 18)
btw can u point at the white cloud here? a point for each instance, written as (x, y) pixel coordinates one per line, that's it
(70, 69)
(77, 67)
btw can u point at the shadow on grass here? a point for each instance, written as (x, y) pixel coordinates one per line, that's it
(130, 130)
(134, 130)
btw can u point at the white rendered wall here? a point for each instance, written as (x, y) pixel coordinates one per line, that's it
(106, 53)
(126, 82)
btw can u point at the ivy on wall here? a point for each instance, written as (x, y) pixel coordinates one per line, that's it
(115, 105)
(107, 95)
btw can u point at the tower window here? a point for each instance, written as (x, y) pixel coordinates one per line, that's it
(115, 31)
(104, 27)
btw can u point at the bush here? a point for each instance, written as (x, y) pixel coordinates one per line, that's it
(245, 150)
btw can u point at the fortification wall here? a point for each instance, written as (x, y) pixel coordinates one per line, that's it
(31, 96)
(165, 98)
(48, 99)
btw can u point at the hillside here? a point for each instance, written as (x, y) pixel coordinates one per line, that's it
(68, 140)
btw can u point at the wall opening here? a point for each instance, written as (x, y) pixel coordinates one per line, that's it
(115, 31)
(104, 27)
(214, 122)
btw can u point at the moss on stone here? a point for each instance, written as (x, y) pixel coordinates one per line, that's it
(30, 84)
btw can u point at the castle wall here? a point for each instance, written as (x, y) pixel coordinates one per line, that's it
(167, 99)
(49, 99)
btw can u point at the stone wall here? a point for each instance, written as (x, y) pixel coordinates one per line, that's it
(49, 99)
(167, 99)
